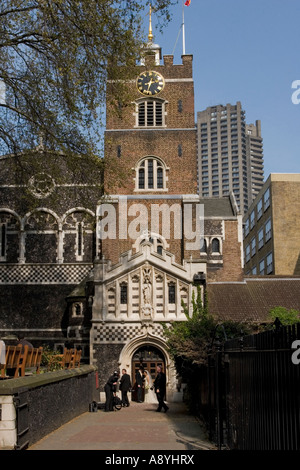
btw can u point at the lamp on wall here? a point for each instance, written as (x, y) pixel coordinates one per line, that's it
(199, 279)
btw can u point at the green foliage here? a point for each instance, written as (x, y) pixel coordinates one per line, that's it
(55, 57)
(286, 317)
(50, 361)
(191, 341)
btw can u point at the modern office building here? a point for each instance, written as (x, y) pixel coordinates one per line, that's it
(271, 228)
(254, 151)
(229, 154)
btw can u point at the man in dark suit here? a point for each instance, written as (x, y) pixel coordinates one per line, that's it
(125, 386)
(160, 389)
(140, 382)
(110, 388)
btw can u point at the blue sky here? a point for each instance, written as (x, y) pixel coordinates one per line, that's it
(245, 51)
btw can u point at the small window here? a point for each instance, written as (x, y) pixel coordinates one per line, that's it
(77, 309)
(150, 113)
(269, 260)
(247, 253)
(253, 246)
(215, 245)
(268, 230)
(159, 249)
(262, 267)
(172, 292)
(79, 240)
(246, 228)
(160, 178)
(252, 219)
(267, 199)
(260, 238)
(254, 270)
(157, 243)
(150, 174)
(259, 209)
(3, 242)
(123, 294)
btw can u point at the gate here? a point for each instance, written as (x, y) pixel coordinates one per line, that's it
(22, 417)
(249, 392)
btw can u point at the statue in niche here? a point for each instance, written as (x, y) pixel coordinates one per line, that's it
(147, 293)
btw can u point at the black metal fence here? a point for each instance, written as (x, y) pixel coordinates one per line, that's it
(250, 392)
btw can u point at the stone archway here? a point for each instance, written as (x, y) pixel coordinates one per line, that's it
(140, 342)
(149, 357)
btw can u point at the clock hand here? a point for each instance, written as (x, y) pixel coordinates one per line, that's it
(150, 83)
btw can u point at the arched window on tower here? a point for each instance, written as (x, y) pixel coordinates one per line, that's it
(151, 175)
(215, 245)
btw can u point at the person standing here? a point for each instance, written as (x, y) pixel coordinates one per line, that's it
(125, 386)
(140, 382)
(110, 388)
(160, 389)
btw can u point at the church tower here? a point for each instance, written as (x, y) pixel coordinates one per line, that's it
(149, 228)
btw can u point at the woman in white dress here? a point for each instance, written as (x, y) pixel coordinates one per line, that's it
(150, 395)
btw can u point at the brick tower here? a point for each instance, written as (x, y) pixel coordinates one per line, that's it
(150, 243)
(153, 242)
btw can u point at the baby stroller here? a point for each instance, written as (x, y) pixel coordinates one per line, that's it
(117, 403)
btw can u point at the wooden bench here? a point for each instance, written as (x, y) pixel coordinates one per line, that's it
(31, 358)
(19, 358)
(12, 360)
(68, 360)
(76, 358)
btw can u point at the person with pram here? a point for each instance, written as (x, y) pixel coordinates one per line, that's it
(110, 391)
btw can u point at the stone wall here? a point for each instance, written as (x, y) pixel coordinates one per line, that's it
(50, 400)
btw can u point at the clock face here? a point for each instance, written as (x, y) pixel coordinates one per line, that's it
(150, 83)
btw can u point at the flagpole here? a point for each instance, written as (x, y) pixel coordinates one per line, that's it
(183, 31)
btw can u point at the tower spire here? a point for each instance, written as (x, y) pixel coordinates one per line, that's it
(150, 35)
(150, 47)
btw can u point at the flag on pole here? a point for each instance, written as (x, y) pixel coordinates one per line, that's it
(187, 3)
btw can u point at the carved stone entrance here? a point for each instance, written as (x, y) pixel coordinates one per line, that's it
(150, 350)
(149, 357)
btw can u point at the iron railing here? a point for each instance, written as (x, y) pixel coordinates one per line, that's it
(250, 392)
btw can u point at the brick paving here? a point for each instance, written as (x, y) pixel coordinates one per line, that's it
(138, 427)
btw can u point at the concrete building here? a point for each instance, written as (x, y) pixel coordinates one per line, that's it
(254, 151)
(230, 155)
(271, 228)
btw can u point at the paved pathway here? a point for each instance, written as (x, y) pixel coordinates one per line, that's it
(138, 427)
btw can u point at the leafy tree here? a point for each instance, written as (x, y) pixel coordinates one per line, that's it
(55, 56)
(191, 341)
(286, 317)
